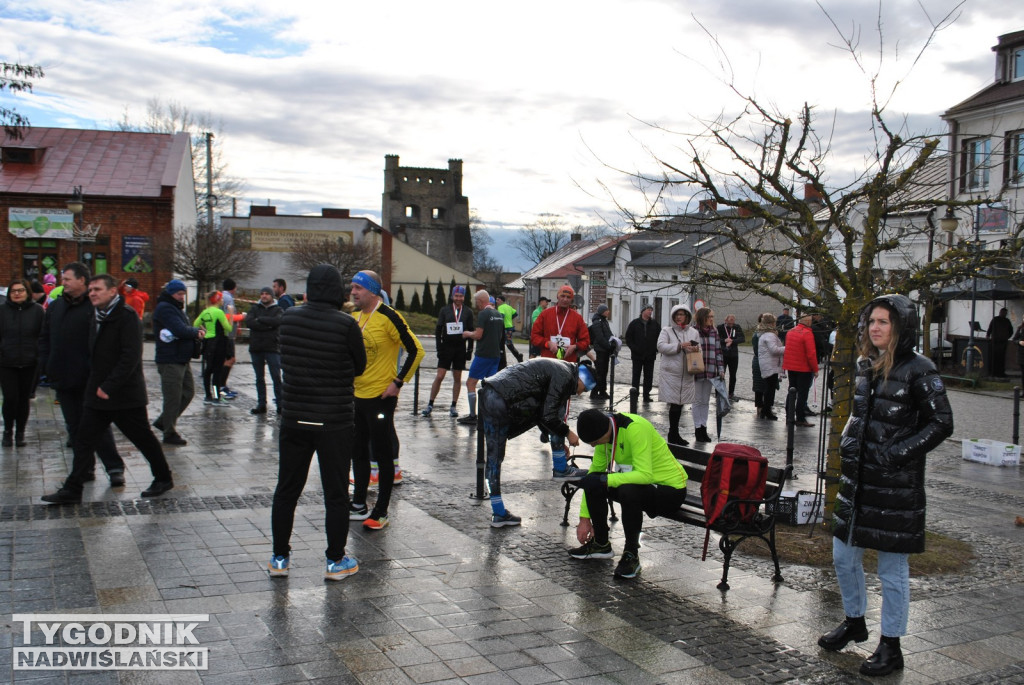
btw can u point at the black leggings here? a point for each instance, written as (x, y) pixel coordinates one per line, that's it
(375, 431)
(674, 412)
(214, 354)
(16, 383)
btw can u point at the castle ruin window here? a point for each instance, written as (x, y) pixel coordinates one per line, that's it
(437, 214)
(412, 212)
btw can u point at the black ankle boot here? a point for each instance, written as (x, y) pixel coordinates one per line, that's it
(8, 440)
(850, 630)
(886, 659)
(702, 434)
(675, 439)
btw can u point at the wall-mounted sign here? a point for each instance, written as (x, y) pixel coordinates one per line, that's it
(40, 223)
(283, 240)
(136, 254)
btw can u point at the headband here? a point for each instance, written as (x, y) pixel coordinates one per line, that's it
(367, 281)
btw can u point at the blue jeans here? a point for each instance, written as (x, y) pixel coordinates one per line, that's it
(893, 571)
(259, 361)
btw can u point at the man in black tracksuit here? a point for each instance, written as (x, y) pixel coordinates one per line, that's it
(64, 355)
(114, 393)
(264, 322)
(642, 340)
(322, 353)
(601, 341)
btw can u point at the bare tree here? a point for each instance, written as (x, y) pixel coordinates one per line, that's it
(208, 255)
(483, 261)
(819, 246)
(541, 238)
(173, 117)
(16, 78)
(307, 252)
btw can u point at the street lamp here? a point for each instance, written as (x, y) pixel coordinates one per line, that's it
(80, 233)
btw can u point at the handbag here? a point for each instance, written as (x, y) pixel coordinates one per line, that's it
(197, 348)
(694, 360)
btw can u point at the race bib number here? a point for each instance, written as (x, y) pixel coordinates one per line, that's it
(623, 468)
(455, 328)
(560, 341)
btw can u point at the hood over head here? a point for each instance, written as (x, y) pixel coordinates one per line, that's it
(672, 314)
(324, 285)
(904, 312)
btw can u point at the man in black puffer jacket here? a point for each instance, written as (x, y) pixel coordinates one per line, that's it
(321, 353)
(900, 413)
(534, 393)
(264, 323)
(115, 393)
(176, 339)
(64, 354)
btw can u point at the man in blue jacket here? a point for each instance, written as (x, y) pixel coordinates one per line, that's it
(176, 340)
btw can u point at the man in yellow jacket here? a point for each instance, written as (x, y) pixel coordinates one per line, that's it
(633, 466)
(385, 333)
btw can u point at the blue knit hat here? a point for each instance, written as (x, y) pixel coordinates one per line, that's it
(175, 286)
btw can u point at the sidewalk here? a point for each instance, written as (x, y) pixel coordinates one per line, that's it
(442, 597)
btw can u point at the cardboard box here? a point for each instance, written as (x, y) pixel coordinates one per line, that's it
(991, 452)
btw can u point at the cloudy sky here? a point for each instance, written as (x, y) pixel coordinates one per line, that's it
(545, 101)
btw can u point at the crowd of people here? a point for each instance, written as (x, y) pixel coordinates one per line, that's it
(339, 362)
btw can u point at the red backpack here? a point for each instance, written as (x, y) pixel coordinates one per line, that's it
(733, 472)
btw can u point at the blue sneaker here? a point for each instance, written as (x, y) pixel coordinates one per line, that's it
(428, 411)
(278, 566)
(339, 570)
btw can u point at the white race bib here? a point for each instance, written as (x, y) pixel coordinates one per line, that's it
(560, 341)
(623, 468)
(455, 328)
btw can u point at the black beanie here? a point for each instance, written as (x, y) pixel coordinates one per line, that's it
(592, 424)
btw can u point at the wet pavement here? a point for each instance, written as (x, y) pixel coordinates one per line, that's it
(442, 597)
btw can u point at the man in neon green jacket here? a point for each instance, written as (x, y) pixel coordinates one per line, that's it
(634, 467)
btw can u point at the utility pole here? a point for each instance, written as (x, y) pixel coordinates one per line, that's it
(211, 199)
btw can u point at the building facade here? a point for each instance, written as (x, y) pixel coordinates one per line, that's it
(135, 189)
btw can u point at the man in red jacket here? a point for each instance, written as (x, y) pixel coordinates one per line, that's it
(560, 332)
(800, 362)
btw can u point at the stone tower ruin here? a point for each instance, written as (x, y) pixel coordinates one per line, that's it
(426, 209)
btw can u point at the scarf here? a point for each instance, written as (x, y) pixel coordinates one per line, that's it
(102, 314)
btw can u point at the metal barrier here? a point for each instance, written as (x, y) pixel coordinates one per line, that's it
(416, 393)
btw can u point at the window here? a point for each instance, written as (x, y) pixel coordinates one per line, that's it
(1015, 158)
(977, 156)
(437, 214)
(1017, 64)
(412, 212)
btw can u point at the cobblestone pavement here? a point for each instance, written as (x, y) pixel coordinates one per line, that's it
(442, 597)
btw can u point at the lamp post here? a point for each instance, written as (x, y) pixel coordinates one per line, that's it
(76, 205)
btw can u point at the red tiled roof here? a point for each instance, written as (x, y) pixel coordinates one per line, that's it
(111, 163)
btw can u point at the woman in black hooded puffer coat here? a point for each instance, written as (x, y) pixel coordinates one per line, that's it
(900, 413)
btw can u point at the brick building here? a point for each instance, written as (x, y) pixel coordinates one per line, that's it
(136, 188)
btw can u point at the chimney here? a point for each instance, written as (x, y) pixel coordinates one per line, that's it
(575, 237)
(708, 206)
(744, 212)
(334, 213)
(812, 195)
(262, 210)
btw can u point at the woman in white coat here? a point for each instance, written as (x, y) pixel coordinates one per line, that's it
(675, 385)
(769, 356)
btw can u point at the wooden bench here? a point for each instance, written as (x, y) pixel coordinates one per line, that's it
(731, 530)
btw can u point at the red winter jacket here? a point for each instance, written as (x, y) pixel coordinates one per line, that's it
(800, 352)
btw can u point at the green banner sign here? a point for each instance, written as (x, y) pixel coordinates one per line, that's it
(41, 223)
